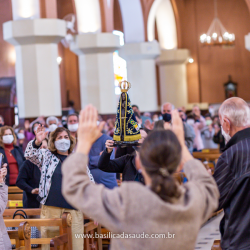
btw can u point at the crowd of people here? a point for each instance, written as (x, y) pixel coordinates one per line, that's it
(58, 163)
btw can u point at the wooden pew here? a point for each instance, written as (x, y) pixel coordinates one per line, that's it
(64, 223)
(15, 193)
(15, 197)
(92, 243)
(206, 156)
(21, 237)
(8, 213)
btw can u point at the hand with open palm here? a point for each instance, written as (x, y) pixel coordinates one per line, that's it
(178, 129)
(88, 130)
(40, 135)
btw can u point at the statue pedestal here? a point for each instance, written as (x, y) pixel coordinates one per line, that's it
(173, 76)
(124, 144)
(95, 55)
(140, 58)
(37, 71)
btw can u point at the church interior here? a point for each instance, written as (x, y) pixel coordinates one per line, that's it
(124, 117)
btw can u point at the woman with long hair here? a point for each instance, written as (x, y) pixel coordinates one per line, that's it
(49, 161)
(162, 214)
(13, 154)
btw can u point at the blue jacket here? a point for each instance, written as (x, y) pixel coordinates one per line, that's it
(107, 179)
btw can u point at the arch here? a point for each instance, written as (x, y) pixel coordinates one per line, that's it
(162, 12)
(118, 25)
(132, 18)
(88, 16)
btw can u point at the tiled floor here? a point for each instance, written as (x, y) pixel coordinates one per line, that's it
(208, 233)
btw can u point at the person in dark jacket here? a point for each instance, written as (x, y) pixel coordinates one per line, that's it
(13, 155)
(232, 174)
(124, 164)
(28, 180)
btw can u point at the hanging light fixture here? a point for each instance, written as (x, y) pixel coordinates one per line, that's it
(217, 34)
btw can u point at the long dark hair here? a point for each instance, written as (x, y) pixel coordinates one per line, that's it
(160, 155)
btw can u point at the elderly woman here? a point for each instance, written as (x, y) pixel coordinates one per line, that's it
(49, 161)
(13, 155)
(4, 237)
(164, 212)
(52, 123)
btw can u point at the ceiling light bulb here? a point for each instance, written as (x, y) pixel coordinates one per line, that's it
(190, 60)
(214, 36)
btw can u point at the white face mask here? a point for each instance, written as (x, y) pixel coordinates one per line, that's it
(62, 145)
(226, 136)
(43, 150)
(209, 122)
(73, 127)
(20, 136)
(52, 127)
(190, 122)
(8, 139)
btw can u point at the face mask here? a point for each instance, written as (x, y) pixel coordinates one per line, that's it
(190, 122)
(73, 127)
(52, 127)
(8, 139)
(20, 136)
(209, 122)
(98, 123)
(1, 125)
(42, 150)
(156, 120)
(226, 136)
(167, 117)
(62, 145)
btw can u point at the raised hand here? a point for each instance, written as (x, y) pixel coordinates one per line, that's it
(109, 145)
(88, 130)
(40, 135)
(27, 124)
(178, 129)
(3, 172)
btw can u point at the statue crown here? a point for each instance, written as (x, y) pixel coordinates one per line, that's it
(124, 86)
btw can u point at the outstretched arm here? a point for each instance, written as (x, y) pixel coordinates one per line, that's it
(32, 151)
(104, 205)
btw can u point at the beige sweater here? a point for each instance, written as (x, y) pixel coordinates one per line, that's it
(4, 237)
(134, 209)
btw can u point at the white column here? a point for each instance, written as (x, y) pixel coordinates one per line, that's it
(37, 72)
(247, 41)
(173, 76)
(141, 70)
(95, 55)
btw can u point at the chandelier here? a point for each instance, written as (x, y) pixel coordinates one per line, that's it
(217, 34)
